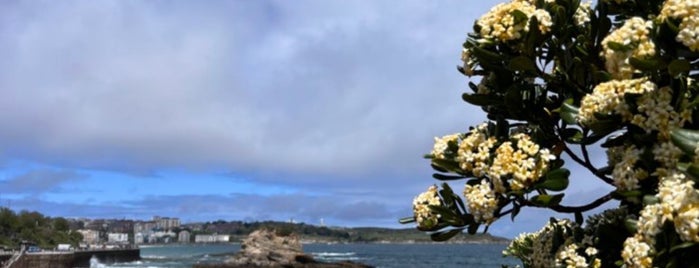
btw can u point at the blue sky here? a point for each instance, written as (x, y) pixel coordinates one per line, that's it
(235, 110)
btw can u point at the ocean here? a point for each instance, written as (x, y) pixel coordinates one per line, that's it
(379, 255)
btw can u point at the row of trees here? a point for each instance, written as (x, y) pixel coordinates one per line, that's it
(556, 78)
(46, 232)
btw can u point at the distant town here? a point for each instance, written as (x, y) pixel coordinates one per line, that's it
(60, 233)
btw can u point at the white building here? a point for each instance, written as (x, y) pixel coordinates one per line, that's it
(118, 237)
(184, 237)
(90, 236)
(214, 238)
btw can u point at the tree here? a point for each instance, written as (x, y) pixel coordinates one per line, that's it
(557, 78)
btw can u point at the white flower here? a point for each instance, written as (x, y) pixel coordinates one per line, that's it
(634, 36)
(501, 25)
(636, 253)
(481, 201)
(424, 216)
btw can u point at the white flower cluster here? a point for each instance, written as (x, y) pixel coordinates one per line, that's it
(608, 98)
(481, 201)
(679, 204)
(535, 249)
(582, 14)
(474, 151)
(501, 25)
(657, 113)
(688, 12)
(636, 253)
(441, 145)
(468, 61)
(633, 35)
(519, 161)
(525, 162)
(568, 257)
(625, 173)
(424, 216)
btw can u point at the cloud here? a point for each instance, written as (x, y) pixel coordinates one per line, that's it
(350, 88)
(41, 181)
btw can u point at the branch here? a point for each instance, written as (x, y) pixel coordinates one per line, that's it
(586, 162)
(587, 165)
(569, 209)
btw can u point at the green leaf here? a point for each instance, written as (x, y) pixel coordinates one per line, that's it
(572, 135)
(546, 200)
(683, 246)
(473, 228)
(685, 143)
(480, 99)
(483, 54)
(618, 47)
(555, 180)
(522, 63)
(578, 218)
(677, 67)
(407, 220)
(646, 64)
(443, 177)
(631, 225)
(519, 16)
(450, 165)
(445, 235)
(693, 171)
(569, 113)
(650, 199)
(689, 134)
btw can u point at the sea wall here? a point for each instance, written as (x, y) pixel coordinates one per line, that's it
(75, 259)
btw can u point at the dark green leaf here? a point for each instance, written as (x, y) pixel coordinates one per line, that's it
(685, 143)
(407, 220)
(572, 135)
(683, 246)
(555, 180)
(578, 218)
(484, 55)
(650, 199)
(442, 177)
(445, 235)
(519, 16)
(646, 64)
(473, 228)
(677, 67)
(631, 225)
(480, 99)
(618, 47)
(569, 113)
(546, 200)
(522, 63)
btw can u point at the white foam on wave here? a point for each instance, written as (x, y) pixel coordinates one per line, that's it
(333, 254)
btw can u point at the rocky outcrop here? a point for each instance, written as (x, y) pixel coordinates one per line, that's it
(266, 248)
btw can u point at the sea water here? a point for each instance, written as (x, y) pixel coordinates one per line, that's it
(379, 255)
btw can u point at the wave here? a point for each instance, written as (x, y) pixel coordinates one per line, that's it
(333, 254)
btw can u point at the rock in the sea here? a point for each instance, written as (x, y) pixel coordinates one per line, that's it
(266, 248)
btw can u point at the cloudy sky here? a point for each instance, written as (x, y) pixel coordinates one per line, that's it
(234, 110)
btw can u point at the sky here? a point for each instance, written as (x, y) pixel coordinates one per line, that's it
(234, 110)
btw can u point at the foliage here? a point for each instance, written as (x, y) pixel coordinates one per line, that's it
(34, 227)
(554, 78)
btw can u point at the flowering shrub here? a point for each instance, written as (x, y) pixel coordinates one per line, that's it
(554, 78)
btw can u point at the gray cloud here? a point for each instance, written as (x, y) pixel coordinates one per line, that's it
(40, 181)
(137, 86)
